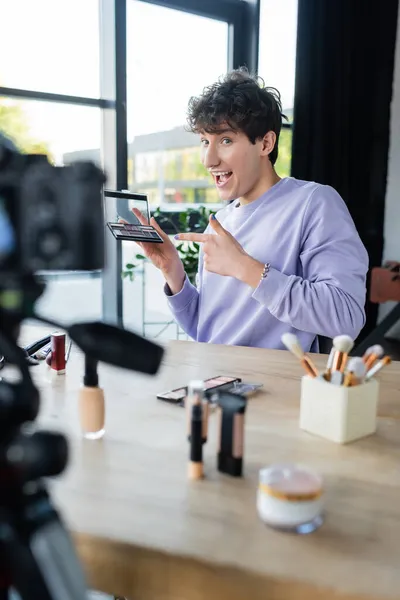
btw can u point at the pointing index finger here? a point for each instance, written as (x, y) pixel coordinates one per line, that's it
(193, 237)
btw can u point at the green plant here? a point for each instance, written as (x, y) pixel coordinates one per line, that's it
(195, 220)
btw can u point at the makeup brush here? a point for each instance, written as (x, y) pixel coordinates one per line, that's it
(329, 364)
(371, 355)
(293, 345)
(386, 360)
(355, 373)
(342, 344)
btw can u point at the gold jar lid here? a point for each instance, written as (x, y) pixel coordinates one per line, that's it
(291, 483)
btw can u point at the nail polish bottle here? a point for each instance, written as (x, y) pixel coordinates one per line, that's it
(91, 402)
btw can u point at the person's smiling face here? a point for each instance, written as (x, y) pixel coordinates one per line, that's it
(237, 165)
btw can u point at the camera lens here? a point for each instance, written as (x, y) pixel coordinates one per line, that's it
(43, 454)
(16, 405)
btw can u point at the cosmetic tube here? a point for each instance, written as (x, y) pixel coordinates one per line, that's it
(195, 470)
(231, 440)
(196, 392)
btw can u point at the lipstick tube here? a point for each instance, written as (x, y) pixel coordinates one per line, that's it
(231, 440)
(58, 352)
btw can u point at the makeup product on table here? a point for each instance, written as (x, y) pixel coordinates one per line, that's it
(33, 349)
(292, 343)
(329, 365)
(178, 395)
(195, 470)
(341, 406)
(196, 395)
(371, 355)
(386, 360)
(68, 352)
(43, 353)
(231, 436)
(91, 402)
(290, 498)
(339, 369)
(242, 388)
(338, 413)
(355, 372)
(46, 353)
(58, 352)
(342, 344)
(337, 378)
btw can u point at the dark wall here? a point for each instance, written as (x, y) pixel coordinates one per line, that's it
(344, 78)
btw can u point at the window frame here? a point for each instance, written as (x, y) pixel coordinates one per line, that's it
(242, 17)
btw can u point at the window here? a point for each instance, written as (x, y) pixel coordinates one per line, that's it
(53, 53)
(50, 46)
(283, 164)
(164, 69)
(171, 56)
(58, 130)
(48, 49)
(64, 132)
(277, 63)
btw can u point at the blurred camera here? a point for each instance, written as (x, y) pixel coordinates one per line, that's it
(51, 218)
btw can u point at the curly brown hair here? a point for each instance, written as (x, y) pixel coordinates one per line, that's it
(243, 102)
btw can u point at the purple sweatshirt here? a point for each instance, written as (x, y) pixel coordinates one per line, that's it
(316, 284)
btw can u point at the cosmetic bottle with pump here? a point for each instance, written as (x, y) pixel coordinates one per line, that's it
(91, 402)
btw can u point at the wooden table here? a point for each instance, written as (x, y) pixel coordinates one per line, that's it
(144, 531)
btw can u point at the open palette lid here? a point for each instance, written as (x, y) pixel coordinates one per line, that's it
(121, 221)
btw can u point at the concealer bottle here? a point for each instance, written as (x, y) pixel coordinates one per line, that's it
(196, 393)
(231, 437)
(91, 402)
(195, 470)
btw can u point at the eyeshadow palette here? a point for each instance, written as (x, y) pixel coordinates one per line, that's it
(134, 233)
(123, 223)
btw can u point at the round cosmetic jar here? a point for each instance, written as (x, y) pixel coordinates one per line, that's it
(290, 498)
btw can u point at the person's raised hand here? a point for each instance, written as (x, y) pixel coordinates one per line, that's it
(163, 256)
(222, 254)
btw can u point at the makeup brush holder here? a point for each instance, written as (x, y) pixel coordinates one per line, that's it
(338, 413)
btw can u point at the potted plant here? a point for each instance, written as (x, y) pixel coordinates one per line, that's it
(190, 220)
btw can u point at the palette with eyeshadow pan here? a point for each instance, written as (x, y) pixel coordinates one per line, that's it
(134, 233)
(122, 222)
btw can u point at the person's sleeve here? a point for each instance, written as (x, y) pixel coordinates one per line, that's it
(329, 298)
(185, 304)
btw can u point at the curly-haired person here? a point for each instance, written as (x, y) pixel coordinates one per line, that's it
(283, 255)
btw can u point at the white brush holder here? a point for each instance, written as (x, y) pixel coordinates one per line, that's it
(337, 413)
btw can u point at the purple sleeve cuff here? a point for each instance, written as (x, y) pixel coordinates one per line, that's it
(178, 302)
(271, 290)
